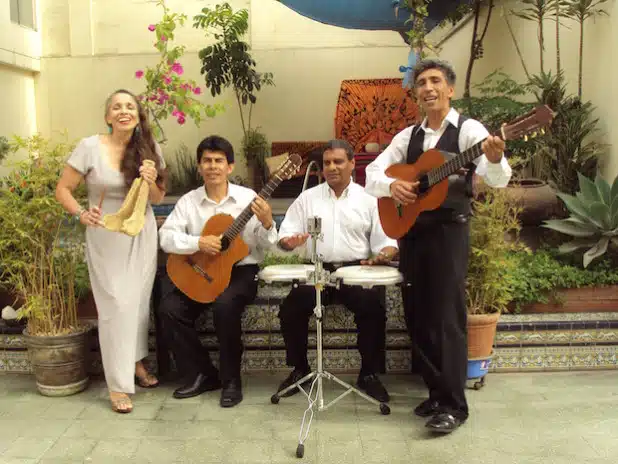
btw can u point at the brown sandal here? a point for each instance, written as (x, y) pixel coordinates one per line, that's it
(148, 381)
(122, 404)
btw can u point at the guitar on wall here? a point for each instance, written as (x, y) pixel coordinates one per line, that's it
(202, 277)
(432, 172)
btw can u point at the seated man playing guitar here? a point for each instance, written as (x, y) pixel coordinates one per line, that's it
(351, 234)
(434, 252)
(182, 234)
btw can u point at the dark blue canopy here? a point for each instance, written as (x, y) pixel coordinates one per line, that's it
(369, 14)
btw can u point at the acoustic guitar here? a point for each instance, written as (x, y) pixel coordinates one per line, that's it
(431, 170)
(202, 277)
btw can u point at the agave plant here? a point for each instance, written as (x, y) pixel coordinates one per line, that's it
(594, 218)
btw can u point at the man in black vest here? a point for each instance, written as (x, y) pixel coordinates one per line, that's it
(434, 253)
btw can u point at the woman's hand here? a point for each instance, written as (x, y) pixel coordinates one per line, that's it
(91, 217)
(148, 173)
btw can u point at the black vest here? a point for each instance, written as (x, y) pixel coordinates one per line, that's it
(460, 187)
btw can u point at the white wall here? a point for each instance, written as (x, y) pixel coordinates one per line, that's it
(87, 58)
(92, 47)
(20, 61)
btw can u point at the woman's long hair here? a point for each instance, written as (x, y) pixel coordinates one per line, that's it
(141, 146)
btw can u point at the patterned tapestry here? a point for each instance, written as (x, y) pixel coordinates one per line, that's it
(373, 110)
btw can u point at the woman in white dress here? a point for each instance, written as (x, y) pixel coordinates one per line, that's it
(122, 268)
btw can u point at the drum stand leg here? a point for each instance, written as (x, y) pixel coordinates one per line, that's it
(316, 392)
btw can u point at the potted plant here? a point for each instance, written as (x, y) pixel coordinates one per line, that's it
(228, 62)
(494, 229)
(42, 258)
(593, 222)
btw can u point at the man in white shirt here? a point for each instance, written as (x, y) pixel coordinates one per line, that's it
(181, 234)
(352, 233)
(434, 253)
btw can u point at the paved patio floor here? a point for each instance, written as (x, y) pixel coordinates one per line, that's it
(519, 418)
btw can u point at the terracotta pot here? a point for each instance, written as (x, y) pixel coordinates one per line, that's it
(59, 362)
(537, 198)
(481, 334)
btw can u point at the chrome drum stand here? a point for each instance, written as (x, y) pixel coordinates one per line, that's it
(319, 278)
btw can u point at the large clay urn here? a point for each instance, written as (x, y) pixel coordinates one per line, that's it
(537, 198)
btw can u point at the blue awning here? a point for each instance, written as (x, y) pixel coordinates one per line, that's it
(369, 14)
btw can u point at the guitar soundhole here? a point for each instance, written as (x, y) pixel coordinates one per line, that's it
(225, 243)
(423, 185)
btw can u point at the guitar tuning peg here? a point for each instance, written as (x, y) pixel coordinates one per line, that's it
(533, 135)
(542, 131)
(525, 138)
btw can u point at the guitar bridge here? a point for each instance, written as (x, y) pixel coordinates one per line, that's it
(200, 271)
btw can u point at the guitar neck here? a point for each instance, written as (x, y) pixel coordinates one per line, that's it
(241, 221)
(438, 174)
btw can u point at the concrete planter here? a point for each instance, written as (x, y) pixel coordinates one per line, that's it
(578, 300)
(59, 363)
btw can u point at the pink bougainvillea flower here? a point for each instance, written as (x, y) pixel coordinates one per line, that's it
(163, 38)
(175, 112)
(139, 73)
(177, 68)
(197, 91)
(167, 80)
(151, 28)
(181, 119)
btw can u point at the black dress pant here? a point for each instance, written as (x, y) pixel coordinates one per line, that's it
(369, 315)
(434, 262)
(178, 314)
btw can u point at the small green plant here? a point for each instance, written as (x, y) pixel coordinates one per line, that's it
(594, 218)
(184, 174)
(271, 259)
(570, 146)
(537, 276)
(499, 101)
(489, 284)
(256, 149)
(228, 63)
(41, 250)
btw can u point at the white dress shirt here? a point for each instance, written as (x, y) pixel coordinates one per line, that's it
(181, 231)
(350, 224)
(378, 184)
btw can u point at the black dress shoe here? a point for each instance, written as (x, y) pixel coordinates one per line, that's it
(427, 408)
(231, 394)
(291, 379)
(444, 423)
(199, 385)
(373, 387)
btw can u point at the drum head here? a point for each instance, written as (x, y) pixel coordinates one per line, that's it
(286, 273)
(368, 276)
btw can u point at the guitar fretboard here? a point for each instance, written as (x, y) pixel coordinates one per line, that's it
(438, 174)
(241, 221)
